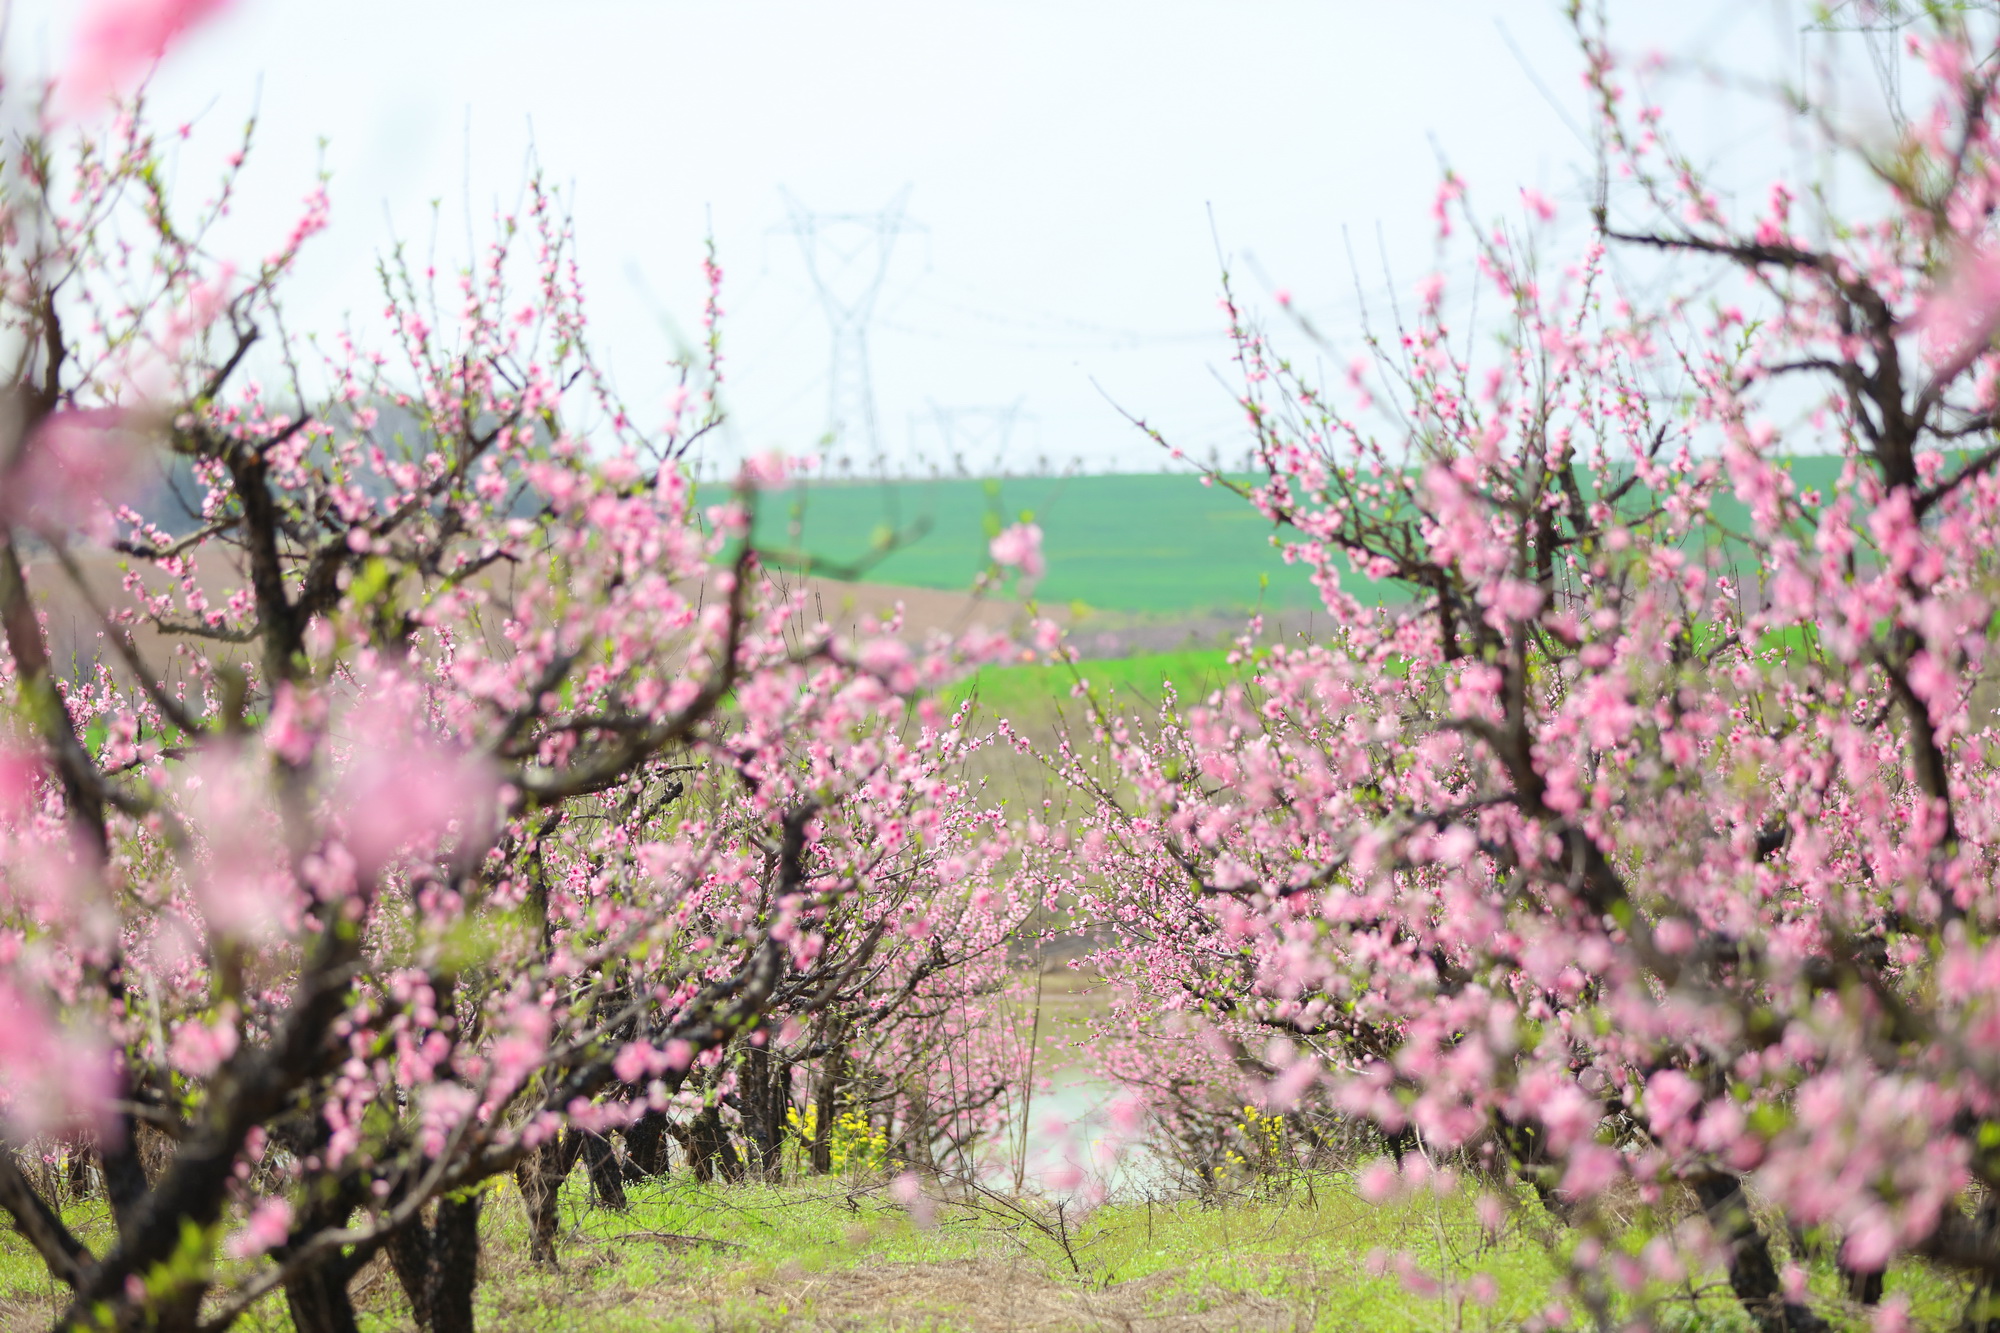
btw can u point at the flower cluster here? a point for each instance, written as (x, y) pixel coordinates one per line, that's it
(1644, 844)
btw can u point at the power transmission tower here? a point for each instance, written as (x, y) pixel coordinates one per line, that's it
(1879, 24)
(976, 439)
(847, 257)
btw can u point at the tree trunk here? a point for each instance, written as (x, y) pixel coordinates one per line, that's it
(1982, 1306)
(318, 1300)
(317, 1296)
(177, 1312)
(410, 1259)
(455, 1264)
(438, 1266)
(125, 1182)
(708, 1148)
(540, 1177)
(76, 1174)
(607, 1179)
(646, 1146)
(766, 1098)
(1752, 1274)
(827, 1104)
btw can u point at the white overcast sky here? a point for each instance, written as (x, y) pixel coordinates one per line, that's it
(1062, 159)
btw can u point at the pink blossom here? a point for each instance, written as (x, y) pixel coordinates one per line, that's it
(403, 793)
(75, 465)
(1870, 1242)
(1020, 546)
(1378, 1181)
(21, 773)
(1959, 316)
(1284, 1091)
(293, 722)
(117, 39)
(1892, 1315)
(200, 1048)
(51, 1079)
(907, 1190)
(269, 1223)
(632, 1062)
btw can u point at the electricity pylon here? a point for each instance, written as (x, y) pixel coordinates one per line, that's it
(847, 257)
(976, 439)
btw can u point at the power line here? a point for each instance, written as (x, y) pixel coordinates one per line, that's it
(847, 257)
(975, 440)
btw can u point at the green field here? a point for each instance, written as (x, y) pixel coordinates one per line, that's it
(1025, 692)
(1152, 544)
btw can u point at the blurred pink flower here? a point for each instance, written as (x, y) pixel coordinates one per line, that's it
(77, 463)
(1020, 547)
(20, 774)
(907, 1190)
(1958, 318)
(1893, 1315)
(244, 887)
(1284, 1091)
(52, 1078)
(200, 1048)
(265, 1229)
(1377, 1182)
(117, 40)
(1870, 1243)
(401, 792)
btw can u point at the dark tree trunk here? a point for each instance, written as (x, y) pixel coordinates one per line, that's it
(179, 1311)
(409, 1251)
(1863, 1288)
(76, 1175)
(1982, 1306)
(826, 1107)
(708, 1148)
(455, 1264)
(438, 1266)
(607, 1179)
(766, 1097)
(1529, 1149)
(125, 1180)
(540, 1177)
(317, 1296)
(1752, 1274)
(646, 1146)
(318, 1300)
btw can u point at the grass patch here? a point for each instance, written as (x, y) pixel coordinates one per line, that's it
(831, 1254)
(1031, 691)
(1138, 543)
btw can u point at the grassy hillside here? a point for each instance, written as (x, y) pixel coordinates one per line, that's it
(1157, 544)
(1026, 693)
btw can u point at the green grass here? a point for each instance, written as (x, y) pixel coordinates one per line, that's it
(1138, 543)
(1028, 692)
(1160, 543)
(828, 1253)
